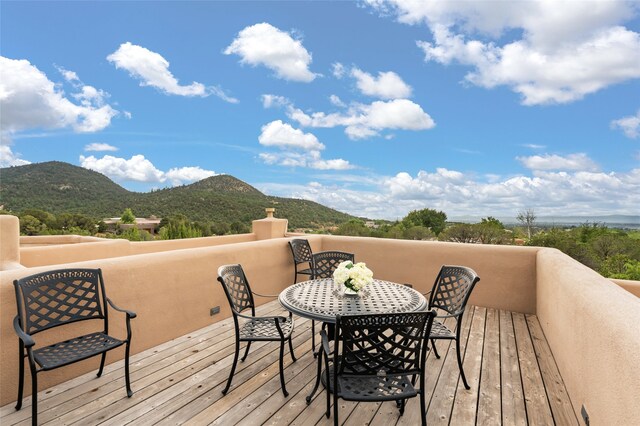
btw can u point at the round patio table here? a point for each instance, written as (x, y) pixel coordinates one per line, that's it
(322, 300)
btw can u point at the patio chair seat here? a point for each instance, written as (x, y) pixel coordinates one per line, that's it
(76, 349)
(441, 331)
(265, 329)
(387, 388)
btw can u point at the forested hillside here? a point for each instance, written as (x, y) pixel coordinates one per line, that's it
(57, 187)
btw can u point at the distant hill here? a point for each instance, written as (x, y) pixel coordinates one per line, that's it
(59, 187)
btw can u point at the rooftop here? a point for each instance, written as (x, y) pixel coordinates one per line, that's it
(547, 337)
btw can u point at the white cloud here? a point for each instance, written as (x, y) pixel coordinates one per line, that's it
(568, 49)
(282, 135)
(630, 125)
(264, 44)
(457, 194)
(388, 85)
(335, 100)
(271, 101)
(308, 159)
(578, 161)
(362, 121)
(70, 76)
(297, 149)
(338, 70)
(30, 100)
(179, 176)
(534, 146)
(9, 158)
(139, 169)
(152, 69)
(97, 146)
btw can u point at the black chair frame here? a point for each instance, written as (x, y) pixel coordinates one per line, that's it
(377, 358)
(301, 251)
(56, 298)
(450, 293)
(323, 264)
(270, 328)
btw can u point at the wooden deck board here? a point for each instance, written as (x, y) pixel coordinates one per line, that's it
(512, 373)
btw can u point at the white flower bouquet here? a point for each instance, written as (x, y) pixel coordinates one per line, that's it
(353, 276)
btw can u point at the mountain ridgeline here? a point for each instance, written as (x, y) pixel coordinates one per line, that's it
(59, 187)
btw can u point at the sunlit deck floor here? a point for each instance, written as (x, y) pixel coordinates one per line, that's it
(513, 377)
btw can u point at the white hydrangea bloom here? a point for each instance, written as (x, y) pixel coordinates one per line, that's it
(353, 276)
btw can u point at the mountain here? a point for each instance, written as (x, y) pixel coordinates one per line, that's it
(59, 187)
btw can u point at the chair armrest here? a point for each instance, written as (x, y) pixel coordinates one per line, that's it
(263, 295)
(457, 314)
(130, 314)
(325, 342)
(26, 339)
(427, 293)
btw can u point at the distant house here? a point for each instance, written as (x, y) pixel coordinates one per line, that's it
(371, 224)
(144, 224)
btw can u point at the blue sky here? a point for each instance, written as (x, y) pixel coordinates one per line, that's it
(374, 108)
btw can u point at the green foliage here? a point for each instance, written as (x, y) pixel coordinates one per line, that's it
(177, 228)
(429, 218)
(135, 234)
(459, 233)
(30, 225)
(353, 228)
(418, 233)
(128, 216)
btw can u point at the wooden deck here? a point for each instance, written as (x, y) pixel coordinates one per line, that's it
(513, 378)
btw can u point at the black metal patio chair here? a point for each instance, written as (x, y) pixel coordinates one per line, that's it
(301, 251)
(450, 293)
(56, 298)
(323, 264)
(377, 358)
(270, 328)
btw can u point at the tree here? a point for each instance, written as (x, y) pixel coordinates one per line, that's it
(128, 216)
(429, 218)
(460, 233)
(30, 225)
(353, 228)
(418, 233)
(527, 218)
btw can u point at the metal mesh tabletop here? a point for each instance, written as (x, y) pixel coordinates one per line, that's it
(322, 300)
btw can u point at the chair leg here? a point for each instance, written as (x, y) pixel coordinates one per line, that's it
(127, 381)
(233, 367)
(293, 356)
(34, 396)
(284, 388)
(21, 377)
(315, 386)
(328, 413)
(102, 359)
(295, 274)
(335, 404)
(464, 379)
(246, 351)
(313, 339)
(435, 350)
(423, 408)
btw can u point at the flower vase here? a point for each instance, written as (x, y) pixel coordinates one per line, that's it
(350, 292)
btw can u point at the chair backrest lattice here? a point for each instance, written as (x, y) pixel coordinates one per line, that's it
(59, 297)
(375, 345)
(236, 287)
(301, 250)
(452, 288)
(325, 263)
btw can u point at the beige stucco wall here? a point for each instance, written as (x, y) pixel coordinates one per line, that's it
(632, 287)
(593, 328)
(507, 273)
(171, 292)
